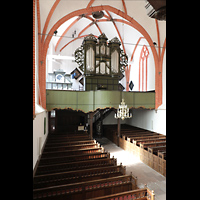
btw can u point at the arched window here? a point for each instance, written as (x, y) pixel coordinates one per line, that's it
(143, 68)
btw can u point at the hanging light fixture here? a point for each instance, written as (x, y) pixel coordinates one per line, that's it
(123, 111)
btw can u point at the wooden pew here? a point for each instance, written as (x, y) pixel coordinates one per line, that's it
(138, 134)
(92, 163)
(146, 137)
(154, 150)
(88, 189)
(47, 180)
(141, 135)
(74, 167)
(155, 144)
(127, 132)
(63, 143)
(68, 137)
(73, 158)
(142, 141)
(162, 154)
(54, 140)
(70, 147)
(72, 152)
(139, 194)
(67, 133)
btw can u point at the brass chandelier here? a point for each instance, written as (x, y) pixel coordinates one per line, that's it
(123, 111)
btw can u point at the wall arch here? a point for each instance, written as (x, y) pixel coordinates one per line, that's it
(133, 23)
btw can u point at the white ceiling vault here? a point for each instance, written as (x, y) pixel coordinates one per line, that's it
(70, 34)
(111, 24)
(127, 20)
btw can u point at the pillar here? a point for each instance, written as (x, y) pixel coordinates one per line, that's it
(91, 124)
(118, 130)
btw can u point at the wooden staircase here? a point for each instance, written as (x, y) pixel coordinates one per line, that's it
(98, 118)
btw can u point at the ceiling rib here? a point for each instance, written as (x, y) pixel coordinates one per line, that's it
(124, 5)
(74, 40)
(111, 19)
(74, 22)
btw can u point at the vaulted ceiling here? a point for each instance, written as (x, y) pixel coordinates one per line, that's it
(115, 22)
(113, 25)
(61, 25)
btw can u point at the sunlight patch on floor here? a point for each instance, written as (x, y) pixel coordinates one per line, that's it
(125, 158)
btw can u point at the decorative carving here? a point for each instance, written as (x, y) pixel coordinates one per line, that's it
(76, 73)
(90, 37)
(115, 40)
(97, 57)
(79, 57)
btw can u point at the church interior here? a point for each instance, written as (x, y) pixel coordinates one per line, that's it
(99, 99)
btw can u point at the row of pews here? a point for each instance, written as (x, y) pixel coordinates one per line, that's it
(149, 146)
(74, 167)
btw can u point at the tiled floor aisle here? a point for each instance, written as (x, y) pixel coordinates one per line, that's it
(146, 175)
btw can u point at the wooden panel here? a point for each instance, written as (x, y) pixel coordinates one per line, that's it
(107, 99)
(146, 100)
(155, 155)
(128, 98)
(91, 100)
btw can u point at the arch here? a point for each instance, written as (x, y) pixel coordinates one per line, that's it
(142, 66)
(128, 68)
(77, 19)
(163, 51)
(133, 23)
(48, 18)
(74, 40)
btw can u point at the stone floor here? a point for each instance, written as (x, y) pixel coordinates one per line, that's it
(145, 174)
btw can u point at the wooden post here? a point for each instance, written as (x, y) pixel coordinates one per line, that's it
(91, 124)
(118, 130)
(153, 195)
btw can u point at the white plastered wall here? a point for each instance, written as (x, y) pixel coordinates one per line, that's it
(38, 122)
(153, 120)
(38, 131)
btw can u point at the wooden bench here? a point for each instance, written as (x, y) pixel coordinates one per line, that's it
(155, 144)
(68, 133)
(162, 154)
(68, 136)
(74, 167)
(72, 152)
(63, 143)
(162, 162)
(145, 137)
(139, 194)
(73, 158)
(141, 135)
(89, 189)
(83, 175)
(71, 147)
(92, 163)
(154, 150)
(67, 139)
(142, 141)
(131, 132)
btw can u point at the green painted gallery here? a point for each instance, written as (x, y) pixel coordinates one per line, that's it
(89, 101)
